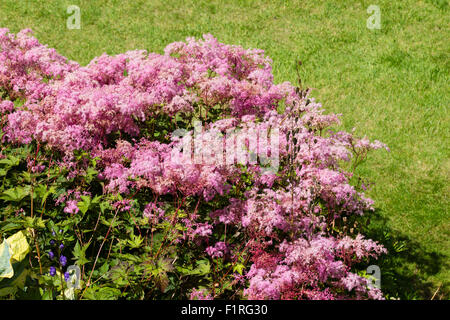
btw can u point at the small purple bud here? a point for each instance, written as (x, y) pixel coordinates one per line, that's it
(60, 231)
(53, 233)
(52, 271)
(66, 276)
(51, 254)
(61, 246)
(52, 242)
(63, 260)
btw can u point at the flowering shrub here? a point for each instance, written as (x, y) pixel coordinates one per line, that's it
(89, 151)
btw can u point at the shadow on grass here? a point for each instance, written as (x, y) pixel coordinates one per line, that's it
(407, 267)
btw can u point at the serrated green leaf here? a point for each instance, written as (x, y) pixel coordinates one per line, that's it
(35, 222)
(103, 206)
(16, 194)
(84, 204)
(79, 253)
(10, 161)
(135, 241)
(239, 268)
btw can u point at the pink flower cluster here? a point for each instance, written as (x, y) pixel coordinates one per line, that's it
(104, 108)
(26, 65)
(300, 269)
(78, 107)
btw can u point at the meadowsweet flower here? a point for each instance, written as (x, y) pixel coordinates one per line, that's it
(6, 106)
(71, 207)
(200, 294)
(285, 212)
(220, 249)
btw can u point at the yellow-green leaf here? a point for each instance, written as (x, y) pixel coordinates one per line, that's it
(18, 246)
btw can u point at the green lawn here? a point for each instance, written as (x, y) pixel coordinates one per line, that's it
(391, 84)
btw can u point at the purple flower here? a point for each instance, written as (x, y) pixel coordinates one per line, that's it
(51, 254)
(63, 260)
(37, 168)
(218, 250)
(52, 242)
(201, 294)
(61, 246)
(66, 276)
(52, 271)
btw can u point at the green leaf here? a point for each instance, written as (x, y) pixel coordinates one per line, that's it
(84, 204)
(18, 246)
(10, 161)
(10, 226)
(35, 222)
(103, 206)
(135, 242)
(96, 199)
(16, 194)
(17, 281)
(108, 222)
(105, 293)
(47, 295)
(46, 194)
(79, 253)
(165, 264)
(91, 173)
(104, 268)
(203, 267)
(26, 176)
(7, 291)
(127, 257)
(239, 268)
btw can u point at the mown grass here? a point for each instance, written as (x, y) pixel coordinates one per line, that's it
(390, 84)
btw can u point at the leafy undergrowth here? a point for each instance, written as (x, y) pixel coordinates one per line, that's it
(183, 175)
